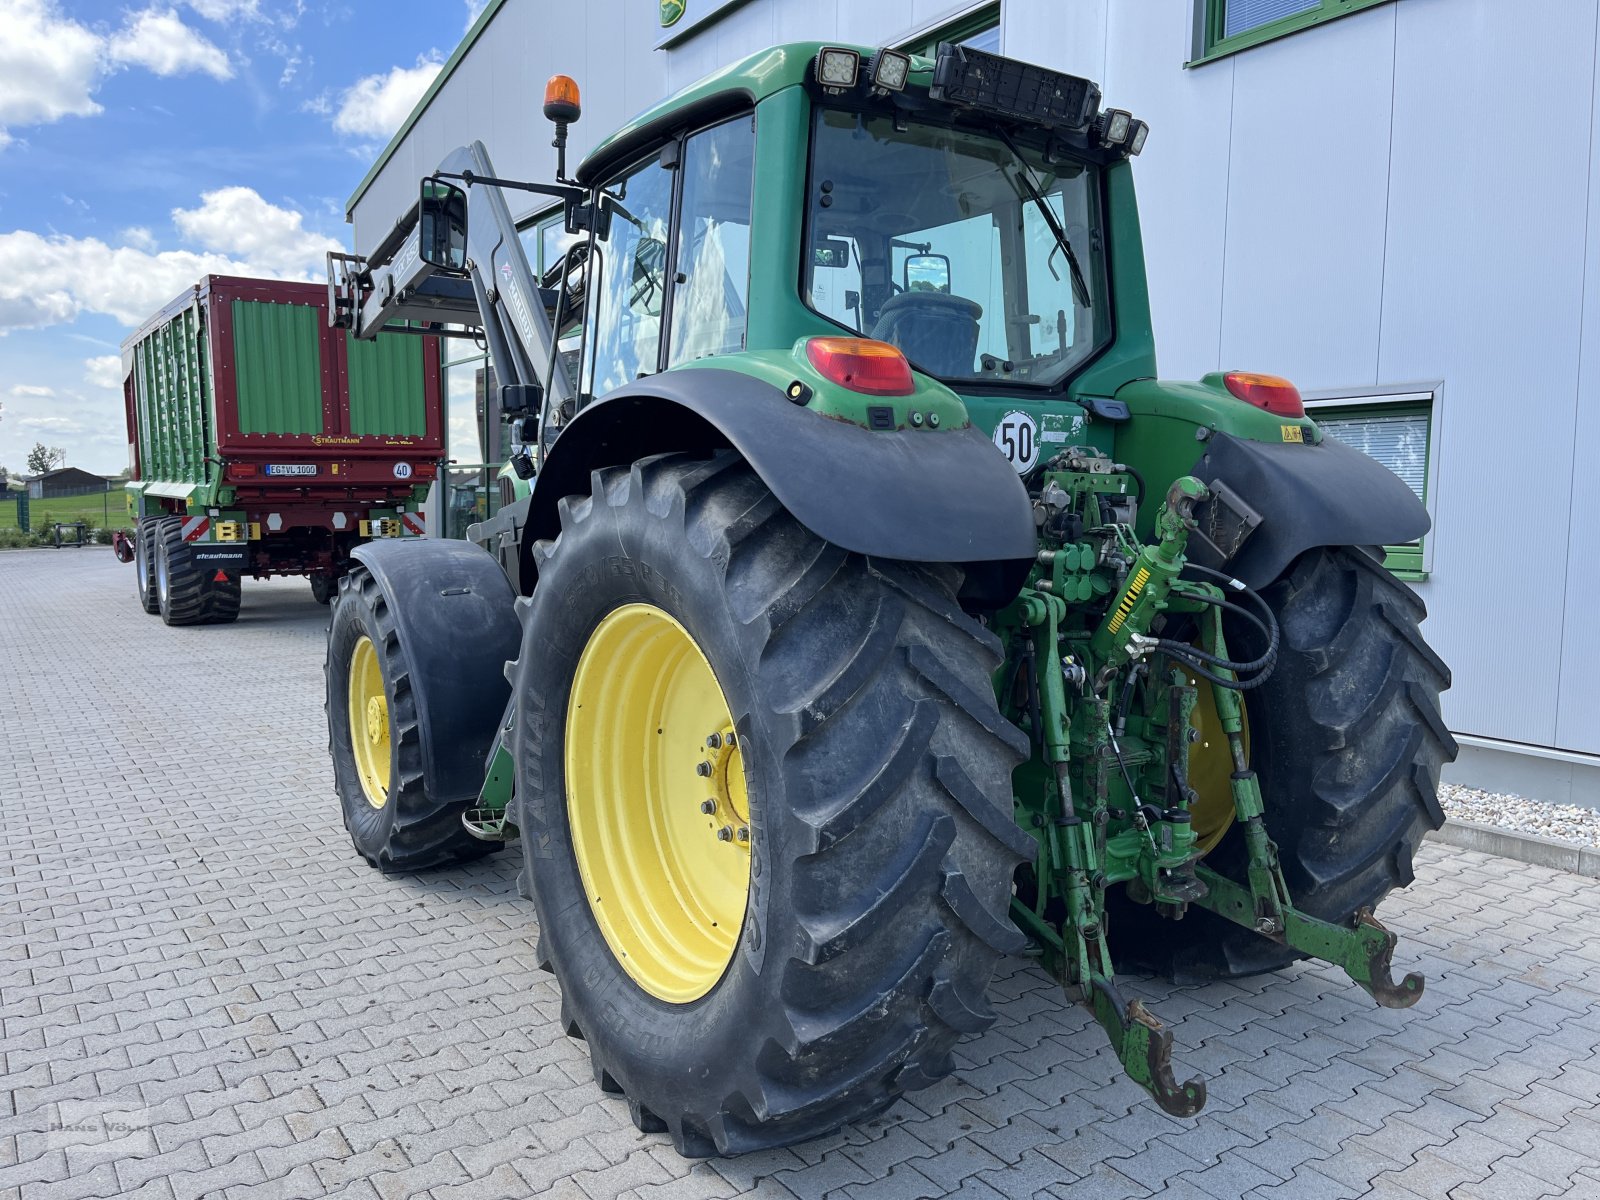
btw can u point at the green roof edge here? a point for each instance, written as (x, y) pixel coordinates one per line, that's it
(439, 81)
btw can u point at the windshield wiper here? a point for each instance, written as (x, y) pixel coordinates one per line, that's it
(1080, 288)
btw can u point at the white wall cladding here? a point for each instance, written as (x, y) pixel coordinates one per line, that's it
(496, 91)
(1402, 196)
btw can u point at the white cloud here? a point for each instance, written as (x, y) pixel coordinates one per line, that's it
(49, 65)
(226, 10)
(51, 424)
(158, 40)
(139, 237)
(52, 280)
(103, 371)
(475, 10)
(236, 221)
(378, 105)
(33, 389)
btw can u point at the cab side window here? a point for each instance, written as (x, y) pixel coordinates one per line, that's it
(630, 272)
(712, 279)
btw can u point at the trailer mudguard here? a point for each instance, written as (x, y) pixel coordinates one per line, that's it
(455, 614)
(1328, 494)
(918, 495)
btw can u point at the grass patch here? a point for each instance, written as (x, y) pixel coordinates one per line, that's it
(102, 510)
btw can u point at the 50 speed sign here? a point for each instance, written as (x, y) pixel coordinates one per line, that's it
(1017, 437)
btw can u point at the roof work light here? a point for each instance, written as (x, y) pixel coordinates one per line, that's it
(837, 68)
(1114, 126)
(889, 70)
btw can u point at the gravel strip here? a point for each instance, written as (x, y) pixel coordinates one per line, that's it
(1570, 823)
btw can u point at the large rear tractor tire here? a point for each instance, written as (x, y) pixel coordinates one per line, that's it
(1347, 740)
(764, 794)
(144, 564)
(182, 590)
(374, 738)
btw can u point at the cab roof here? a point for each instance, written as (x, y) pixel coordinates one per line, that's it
(738, 85)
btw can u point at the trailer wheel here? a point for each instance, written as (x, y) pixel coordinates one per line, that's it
(323, 587)
(224, 593)
(144, 564)
(181, 587)
(1347, 741)
(375, 741)
(764, 793)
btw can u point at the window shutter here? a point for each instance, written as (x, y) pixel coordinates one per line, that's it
(1398, 441)
(1241, 16)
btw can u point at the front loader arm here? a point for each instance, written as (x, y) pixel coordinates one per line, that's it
(495, 292)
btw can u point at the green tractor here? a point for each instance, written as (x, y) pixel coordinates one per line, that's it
(863, 608)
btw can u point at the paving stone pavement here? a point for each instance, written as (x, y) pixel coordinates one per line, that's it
(204, 992)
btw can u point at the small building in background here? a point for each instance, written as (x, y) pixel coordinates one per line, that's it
(66, 481)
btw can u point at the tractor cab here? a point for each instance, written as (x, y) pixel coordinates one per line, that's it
(945, 215)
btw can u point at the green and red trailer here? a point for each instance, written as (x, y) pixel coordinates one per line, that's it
(263, 441)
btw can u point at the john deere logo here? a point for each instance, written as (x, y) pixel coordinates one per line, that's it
(671, 12)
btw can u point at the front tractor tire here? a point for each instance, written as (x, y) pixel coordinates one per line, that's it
(766, 935)
(374, 739)
(1347, 740)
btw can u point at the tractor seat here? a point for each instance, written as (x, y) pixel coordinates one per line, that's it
(938, 332)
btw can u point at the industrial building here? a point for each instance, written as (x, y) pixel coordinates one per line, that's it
(1387, 201)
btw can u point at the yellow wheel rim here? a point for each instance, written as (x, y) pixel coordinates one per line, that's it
(369, 723)
(1211, 770)
(657, 803)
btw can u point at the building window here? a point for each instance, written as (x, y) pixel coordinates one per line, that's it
(979, 29)
(1398, 431)
(1223, 27)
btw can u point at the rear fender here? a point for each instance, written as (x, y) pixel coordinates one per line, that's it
(913, 494)
(1328, 494)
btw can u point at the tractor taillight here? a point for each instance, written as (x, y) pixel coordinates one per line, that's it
(862, 365)
(1271, 392)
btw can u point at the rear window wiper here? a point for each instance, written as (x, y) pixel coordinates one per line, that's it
(1080, 287)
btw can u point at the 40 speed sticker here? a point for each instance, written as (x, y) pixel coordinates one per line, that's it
(402, 470)
(1017, 437)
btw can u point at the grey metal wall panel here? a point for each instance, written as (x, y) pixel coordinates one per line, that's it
(1307, 193)
(1483, 284)
(1578, 700)
(1066, 37)
(1182, 176)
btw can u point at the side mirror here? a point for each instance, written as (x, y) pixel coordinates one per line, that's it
(927, 273)
(442, 235)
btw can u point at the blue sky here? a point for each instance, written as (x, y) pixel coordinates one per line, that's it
(142, 145)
